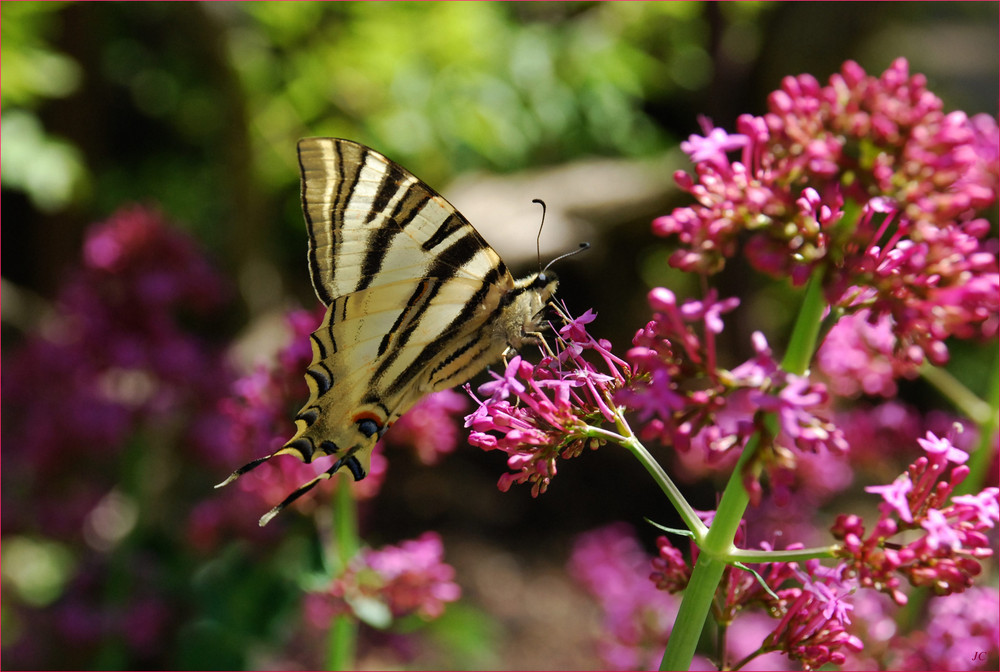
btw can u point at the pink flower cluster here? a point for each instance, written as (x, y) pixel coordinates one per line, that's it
(411, 578)
(539, 413)
(952, 541)
(813, 626)
(683, 399)
(810, 605)
(670, 571)
(869, 179)
(858, 356)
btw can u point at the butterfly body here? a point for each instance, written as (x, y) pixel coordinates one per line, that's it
(416, 302)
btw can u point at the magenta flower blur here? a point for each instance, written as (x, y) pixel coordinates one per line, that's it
(611, 566)
(118, 352)
(859, 357)
(951, 541)
(429, 427)
(958, 628)
(684, 399)
(867, 178)
(109, 409)
(411, 578)
(537, 413)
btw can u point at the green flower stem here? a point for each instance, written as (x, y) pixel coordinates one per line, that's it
(959, 395)
(717, 548)
(343, 636)
(628, 440)
(713, 554)
(795, 555)
(802, 344)
(691, 617)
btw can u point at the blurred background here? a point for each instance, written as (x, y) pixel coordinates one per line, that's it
(113, 556)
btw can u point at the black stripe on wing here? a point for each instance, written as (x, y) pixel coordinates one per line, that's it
(434, 349)
(409, 317)
(380, 239)
(344, 179)
(445, 267)
(453, 223)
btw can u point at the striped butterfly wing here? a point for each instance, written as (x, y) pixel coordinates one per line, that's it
(416, 302)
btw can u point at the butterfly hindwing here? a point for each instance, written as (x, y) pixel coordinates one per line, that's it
(382, 348)
(416, 302)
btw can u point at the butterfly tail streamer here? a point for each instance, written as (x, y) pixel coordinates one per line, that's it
(352, 464)
(249, 466)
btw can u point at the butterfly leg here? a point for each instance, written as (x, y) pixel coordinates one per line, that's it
(503, 356)
(538, 338)
(352, 464)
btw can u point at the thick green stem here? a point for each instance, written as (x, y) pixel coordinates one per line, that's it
(694, 610)
(959, 395)
(343, 636)
(802, 344)
(717, 547)
(713, 551)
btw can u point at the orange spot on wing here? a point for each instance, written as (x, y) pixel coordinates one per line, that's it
(368, 415)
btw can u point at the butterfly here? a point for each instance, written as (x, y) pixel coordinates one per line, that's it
(416, 302)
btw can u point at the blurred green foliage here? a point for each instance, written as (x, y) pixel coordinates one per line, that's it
(197, 107)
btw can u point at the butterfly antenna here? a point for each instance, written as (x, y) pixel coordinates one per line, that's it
(583, 246)
(538, 240)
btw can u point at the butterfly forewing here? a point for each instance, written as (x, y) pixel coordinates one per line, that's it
(371, 222)
(416, 301)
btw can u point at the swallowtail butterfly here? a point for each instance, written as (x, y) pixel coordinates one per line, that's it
(416, 302)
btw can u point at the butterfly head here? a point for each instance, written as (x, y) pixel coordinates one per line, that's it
(534, 291)
(545, 282)
(521, 320)
(543, 287)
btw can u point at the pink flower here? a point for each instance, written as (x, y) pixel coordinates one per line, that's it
(429, 428)
(411, 578)
(670, 571)
(712, 149)
(859, 356)
(539, 413)
(869, 179)
(948, 554)
(813, 626)
(683, 399)
(895, 495)
(958, 628)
